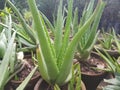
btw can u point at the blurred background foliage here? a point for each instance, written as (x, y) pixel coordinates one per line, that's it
(110, 17)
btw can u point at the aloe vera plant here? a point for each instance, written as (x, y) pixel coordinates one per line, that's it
(114, 67)
(89, 38)
(7, 52)
(8, 60)
(55, 58)
(107, 40)
(7, 63)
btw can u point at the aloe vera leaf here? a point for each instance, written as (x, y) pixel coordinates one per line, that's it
(66, 34)
(108, 60)
(68, 24)
(50, 26)
(6, 60)
(9, 23)
(93, 43)
(44, 41)
(116, 41)
(58, 30)
(21, 33)
(42, 65)
(66, 66)
(89, 9)
(13, 58)
(27, 79)
(95, 26)
(75, 21)
(26, 27)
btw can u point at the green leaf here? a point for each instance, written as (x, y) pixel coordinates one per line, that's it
(66, 34)
(56, 87)
(44, 41)
(58, 30)
(49, 24)
(68, 58)
(75, 21)
(4, 70)
(27, 79)
(23, 22)
(42, 65)
(89, 38)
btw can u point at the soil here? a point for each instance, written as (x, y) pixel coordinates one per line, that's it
(90, 66)
(93, 70)
(26, 69)
(29, 65)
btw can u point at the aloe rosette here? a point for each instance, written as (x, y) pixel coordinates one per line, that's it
(55, 59)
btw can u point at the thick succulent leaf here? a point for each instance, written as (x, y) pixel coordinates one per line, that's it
(13, 58)
(22, 20)
(49, 24)
(75, 82)
(22, 34)
(44, 41)
(90, 46)
(75, 22)
(6, 61)
(94, 27)
(108, 59)
(58, 29)
(66, 34)
(9, 24)
(42, 65)
(116, 41)
(68, 58)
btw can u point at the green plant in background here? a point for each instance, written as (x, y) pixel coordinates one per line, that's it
(27, 79)
(75, 82)
(8, 62)
(106, 40)
(113, 65)
(55, 58)
(117, 41)
(89, 38)
(8, 52)
(4, 34)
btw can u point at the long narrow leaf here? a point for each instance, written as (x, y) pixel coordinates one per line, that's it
(27, 79)
(44, 41)
(58, 30)
(5, 62)
(67, 33)
(95, 25)
(49, 24)
(109, 61)
(26, 28)
(72, 47)
(42, 65)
